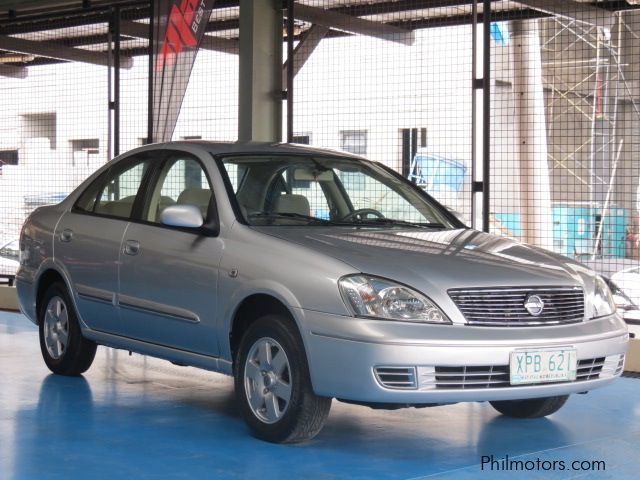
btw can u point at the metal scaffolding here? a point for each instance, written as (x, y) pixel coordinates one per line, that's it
(587, 89)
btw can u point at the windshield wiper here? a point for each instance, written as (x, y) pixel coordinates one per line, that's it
(323, 221)
(403, 223)
(289, 215)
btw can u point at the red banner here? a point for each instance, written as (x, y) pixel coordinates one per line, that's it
(179, 26)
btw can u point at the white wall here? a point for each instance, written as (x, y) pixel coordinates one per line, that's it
(349, 83)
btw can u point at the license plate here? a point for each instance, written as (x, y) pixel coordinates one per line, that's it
(542, 366)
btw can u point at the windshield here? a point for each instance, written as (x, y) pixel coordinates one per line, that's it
(273, 190)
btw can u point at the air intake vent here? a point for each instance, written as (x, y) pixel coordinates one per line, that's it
(397, 378)
(620, 365)
(590, 369)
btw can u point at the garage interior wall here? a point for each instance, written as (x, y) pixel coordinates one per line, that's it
(564, 108)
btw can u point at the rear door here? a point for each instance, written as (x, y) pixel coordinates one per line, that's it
(88, 238)
(168, 275)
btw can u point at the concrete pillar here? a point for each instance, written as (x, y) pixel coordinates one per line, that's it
(535, 196)
(260, 98)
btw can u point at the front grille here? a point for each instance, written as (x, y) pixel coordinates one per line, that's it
(397, 378)
(492, 376)
(506, 306)
(472, 377)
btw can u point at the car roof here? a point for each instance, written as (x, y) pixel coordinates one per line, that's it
(261, 147)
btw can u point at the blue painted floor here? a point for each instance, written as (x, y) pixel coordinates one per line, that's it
(138, 418)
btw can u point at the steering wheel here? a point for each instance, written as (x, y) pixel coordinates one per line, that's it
(361, 213)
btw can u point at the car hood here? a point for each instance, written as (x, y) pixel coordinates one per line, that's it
(439, 259)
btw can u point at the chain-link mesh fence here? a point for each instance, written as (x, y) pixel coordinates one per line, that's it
(564, 149)
(392, 81)
(53, 124)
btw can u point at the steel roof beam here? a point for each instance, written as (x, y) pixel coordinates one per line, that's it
(141, 30)
(580, 12)
(13, 71)
(218, 44)
(348, 23)
(308, 43)
(59, 52)
(304, 49)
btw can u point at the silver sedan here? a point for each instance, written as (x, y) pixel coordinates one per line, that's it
(309, 275)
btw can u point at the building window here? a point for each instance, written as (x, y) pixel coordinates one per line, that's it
(8, 157)
(354, 141)
(40, 125)
(412, 140)
(302, 138)
(83, 149)
(89, 145)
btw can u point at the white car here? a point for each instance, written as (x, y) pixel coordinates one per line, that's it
(629, 281)
(8, 268)
(627, 309)
(10, 250)
(9, 259)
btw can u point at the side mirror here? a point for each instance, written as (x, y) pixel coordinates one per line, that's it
(185, 216)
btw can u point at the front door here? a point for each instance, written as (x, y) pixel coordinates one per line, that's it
(168, 275)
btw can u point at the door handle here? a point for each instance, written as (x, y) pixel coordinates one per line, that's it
(131, 247)
(66, 235)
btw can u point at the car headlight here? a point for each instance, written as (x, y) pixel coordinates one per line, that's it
(602, 301)
(368, 296)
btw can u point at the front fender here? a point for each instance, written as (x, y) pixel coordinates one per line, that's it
(238, 292)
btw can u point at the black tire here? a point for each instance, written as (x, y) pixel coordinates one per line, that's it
(530, 408)
(77, 354)
(305, 412)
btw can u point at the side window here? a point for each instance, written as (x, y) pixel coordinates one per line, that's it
(114, 193)
(182, 181)
(87, 201)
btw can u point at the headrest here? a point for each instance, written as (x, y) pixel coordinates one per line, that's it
(195, 196)
(293, 204)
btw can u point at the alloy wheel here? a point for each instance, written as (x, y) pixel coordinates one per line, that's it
(56, 327)
(267, 380)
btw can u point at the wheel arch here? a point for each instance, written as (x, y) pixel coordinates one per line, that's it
(252, 308)
(48, 277)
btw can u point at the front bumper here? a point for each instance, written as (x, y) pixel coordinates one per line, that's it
(344, 352)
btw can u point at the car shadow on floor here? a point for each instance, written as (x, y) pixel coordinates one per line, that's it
(166, 422)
